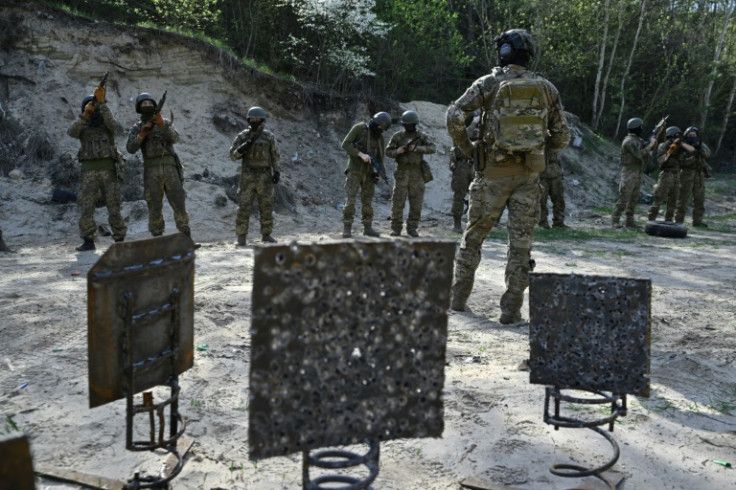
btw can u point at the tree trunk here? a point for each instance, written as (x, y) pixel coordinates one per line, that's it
(611, 58)
(716, 62)
(601, 64)
(726, 116)
(625, 75)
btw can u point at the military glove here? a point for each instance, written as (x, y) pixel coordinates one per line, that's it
(88, 110)
(159, 120)
(276, 177)
(146, 129)
(100, 94)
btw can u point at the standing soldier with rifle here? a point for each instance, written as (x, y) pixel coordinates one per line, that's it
(635, 153)
(162, 170)
(95, 130)
(408, 148)
(669, 154)
(260, 171)
(463, 172)
(694, 169)
(364, 145)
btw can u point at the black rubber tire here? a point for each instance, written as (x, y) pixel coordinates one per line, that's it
(667, 229)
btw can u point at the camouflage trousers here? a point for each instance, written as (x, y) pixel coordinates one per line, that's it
(552, 188)
(94, 184)
(408, 183)
(488, 198)
(629, 190)
(665, 190)
(357, 182)
(160, 181)
(255, 184)
(462, 176)
(692, 181)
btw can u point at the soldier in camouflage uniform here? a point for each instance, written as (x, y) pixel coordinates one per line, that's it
(95, 130)
(504, 178)
(162, 171)
(408, 147)
(462, 174)
(362, 142)
(260, 170)
(694, 169)
(635, 153)
(552, 188)
(669, 154)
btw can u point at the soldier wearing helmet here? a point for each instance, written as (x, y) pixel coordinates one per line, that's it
(260, 171)
(694, 169)
(507, 164)
(163, 175)
(553, 188)
(635, 153)
(408, 146)
(462, 173)
(669, 154)
(363, 143)
(95, 130)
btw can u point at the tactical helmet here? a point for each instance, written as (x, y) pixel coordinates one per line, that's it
(634, 123)
(694, 129)
(87, 100)
(256, 112)
(512, 41)
(382, 120)
(410, 117)
(671, 131)
(141, 98)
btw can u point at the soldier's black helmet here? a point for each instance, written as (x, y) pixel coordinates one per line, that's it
(87, 100)
(692, 129)
(382, 120)
(634, 123)
(141, 98)
(256, 112)
(672, 131)
(511, 42)
(410, 117)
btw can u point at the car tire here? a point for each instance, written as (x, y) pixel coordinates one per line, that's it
(667, 229)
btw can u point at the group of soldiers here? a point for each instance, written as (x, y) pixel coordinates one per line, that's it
(682, 160)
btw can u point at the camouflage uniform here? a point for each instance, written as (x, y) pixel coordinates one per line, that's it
(668, 182)
(256, 180)
(408, 178)
(634, 157)
(97, 156)
(359, 174)
(462, 175)
(162, 175)
(551, 182)
(503, 180)
(693, 170)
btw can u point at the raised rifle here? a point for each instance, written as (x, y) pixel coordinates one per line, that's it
(658, 128)
(161, 103)
(104, 79)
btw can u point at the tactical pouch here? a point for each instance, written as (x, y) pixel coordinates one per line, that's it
(534, 161)
(426, 172)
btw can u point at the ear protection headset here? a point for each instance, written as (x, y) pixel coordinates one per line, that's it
(508, 44)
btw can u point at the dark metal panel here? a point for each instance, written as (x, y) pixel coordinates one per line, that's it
(143, 273)
(590, 333)
(16, 466)
(348, 342)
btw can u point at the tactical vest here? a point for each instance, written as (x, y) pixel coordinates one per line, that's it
(96, 142)
(259, 153)
(155, 145)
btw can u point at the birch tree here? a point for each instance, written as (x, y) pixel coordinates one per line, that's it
(716, 63)
(625, 75)
(601, 64)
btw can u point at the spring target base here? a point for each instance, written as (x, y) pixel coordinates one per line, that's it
(340, 459)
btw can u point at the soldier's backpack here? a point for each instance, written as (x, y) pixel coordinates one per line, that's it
(518, 115)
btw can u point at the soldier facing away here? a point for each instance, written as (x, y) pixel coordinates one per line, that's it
(694, 169)
(163, 175)
(95, 130)
(408, 147)
(363, 142)
(260, 171)
(669, 154)
(462, 171)
(552, 188)
(510, 156)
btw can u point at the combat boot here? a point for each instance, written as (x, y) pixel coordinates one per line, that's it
(241, 241)
(412, 233)
(88, 245)
(268, 239)
(615, 222)
(347, 231)
(543, 224)
(3, 246)
(369, 231)
(395, 233)
(560, 224)
(507, 318)
(457, 226)
(630, 222)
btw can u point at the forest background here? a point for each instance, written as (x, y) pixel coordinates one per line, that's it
(610, 59)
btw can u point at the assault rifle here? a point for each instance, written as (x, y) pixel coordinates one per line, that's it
(378, 166)
(160, 104)
(104, 79)
(674, 147)
(407, 145)
(658, 128)
(254, 136)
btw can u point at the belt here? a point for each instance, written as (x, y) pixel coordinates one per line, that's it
(257, 169)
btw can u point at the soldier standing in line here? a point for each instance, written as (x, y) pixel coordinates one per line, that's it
(510, 153)
(3, 246)
(95, 130)
(694, 169)
(260, 171)
(462, 174)
(669, 154)
(635, 153)
(363, 142)
(552, 187)
(408, 147)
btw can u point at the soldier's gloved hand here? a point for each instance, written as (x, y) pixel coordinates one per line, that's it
(159, 120)
(88, 110)
(376, 177)
(146, 129)
(276, 177)
(100, 94)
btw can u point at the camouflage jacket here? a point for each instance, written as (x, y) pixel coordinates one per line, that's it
(457, 157)
(423, 146)
(360, 139)
(634, 152)
(697, 159)
(262, 153)
(672, 162)
(97, 141)
(160, 143)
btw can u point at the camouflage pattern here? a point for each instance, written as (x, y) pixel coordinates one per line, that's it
(552, 187)
(259, 162)
(408, 179)
(462, 175)
(359, 174)
(162, 175)
(668, 182)
(692, 181)
(504, 180)
(97, 156)
(634, 157)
